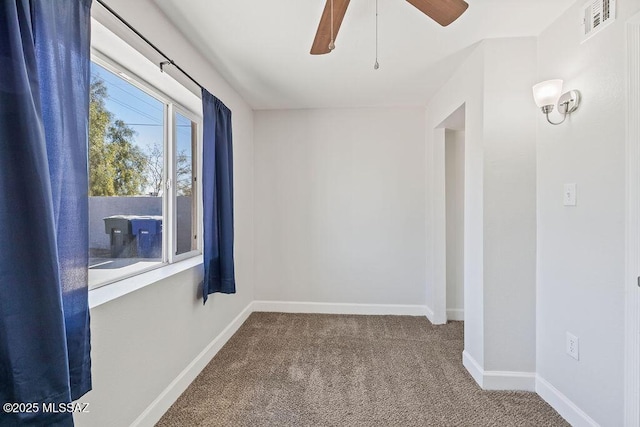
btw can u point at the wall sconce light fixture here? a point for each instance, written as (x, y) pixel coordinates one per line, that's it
(548, 94)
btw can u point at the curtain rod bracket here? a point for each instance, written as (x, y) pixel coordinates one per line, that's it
(143, 38)
(163, 63)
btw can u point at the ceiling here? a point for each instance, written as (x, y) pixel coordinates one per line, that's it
(262, 47)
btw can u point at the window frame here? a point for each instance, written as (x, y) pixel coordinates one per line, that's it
(196, 183)
(169, 195)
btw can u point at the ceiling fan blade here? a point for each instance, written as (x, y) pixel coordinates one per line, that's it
(323, 35)
(444, 12)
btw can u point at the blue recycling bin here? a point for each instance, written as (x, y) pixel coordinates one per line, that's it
(148, 232)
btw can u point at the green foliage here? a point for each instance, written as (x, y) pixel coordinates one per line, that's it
(183, 171)
(101, 167)
(129, 161)
(116, 165)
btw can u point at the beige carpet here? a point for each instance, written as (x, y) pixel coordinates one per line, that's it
(337, 370)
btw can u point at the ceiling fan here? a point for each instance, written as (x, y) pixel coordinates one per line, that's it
(444, 12)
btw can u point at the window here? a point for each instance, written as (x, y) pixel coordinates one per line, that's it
(143, 209)
(186, 220)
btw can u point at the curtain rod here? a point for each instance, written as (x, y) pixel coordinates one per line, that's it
(168, 61)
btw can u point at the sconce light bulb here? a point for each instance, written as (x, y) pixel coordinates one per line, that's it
(376, 65)
(332, 45)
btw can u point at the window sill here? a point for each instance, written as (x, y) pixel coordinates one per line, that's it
(115, 290)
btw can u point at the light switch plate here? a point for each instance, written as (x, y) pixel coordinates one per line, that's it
(570, 195)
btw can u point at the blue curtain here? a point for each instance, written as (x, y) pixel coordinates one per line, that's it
(44, 113)
(217, 186)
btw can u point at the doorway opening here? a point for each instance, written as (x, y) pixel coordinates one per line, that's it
(454, 207)
(454, 213)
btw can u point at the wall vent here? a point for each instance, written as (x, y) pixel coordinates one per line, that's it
(597, 15)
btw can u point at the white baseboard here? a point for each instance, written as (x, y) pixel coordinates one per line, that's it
(561, 403)
(474, 369)
(509, 380)
(455, 314)
(169, 395)
(433, 318)
(487, 380)
(498, 380)
(339, 308)
(429, 313)
(152, 414)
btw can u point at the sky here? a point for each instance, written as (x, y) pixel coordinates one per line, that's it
(141, 112)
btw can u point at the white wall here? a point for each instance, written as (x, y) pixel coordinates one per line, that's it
(143, 340)
(464, 89)
(494, 84)
(340, 206)
(581, 249)
(509, 205)
(454, 177)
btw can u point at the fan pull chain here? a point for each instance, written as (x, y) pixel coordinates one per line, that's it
(332, 44)
(376, 65)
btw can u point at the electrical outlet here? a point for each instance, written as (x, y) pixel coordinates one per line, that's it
(573, 346)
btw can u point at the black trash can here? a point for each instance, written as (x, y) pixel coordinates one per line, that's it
(148, 233)
(118, 227)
